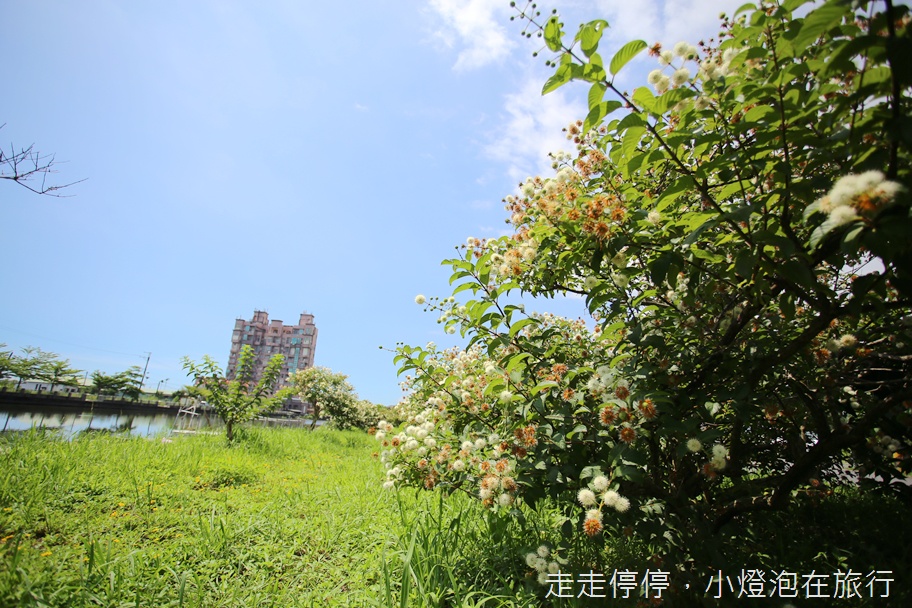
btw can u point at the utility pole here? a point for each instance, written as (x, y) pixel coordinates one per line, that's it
(145, 369)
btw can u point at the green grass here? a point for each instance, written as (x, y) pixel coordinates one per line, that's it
(286, 517)
(289, 517)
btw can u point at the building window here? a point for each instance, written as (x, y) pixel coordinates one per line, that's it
(309, 331)
(308, 339)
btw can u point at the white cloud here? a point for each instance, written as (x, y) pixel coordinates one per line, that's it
(476, 25)
(532, 127)
(531, 124)
(665, 21)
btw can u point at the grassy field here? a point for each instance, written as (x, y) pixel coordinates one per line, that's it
(289, 517)
(285, 518)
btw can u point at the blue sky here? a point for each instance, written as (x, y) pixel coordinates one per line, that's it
(284, 156)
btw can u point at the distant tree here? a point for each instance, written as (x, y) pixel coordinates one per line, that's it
(104, 384)
(7, 363)
(240, 399)
(30, 364)
(328, 392)
(58, 371)
(132, 381)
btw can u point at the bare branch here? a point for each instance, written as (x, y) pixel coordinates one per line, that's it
(30, 169)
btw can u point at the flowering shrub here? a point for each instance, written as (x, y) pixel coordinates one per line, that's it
(332, 396)
(739, 236)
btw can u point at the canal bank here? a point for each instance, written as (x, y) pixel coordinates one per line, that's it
(74, 414)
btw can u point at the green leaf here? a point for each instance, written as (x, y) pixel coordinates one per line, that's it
(787, 306)
(543, 386)
(518, 326)
(714, 258)
(564, 74)
(644, 98)
(670, 194)
(596, 94)
(579, 429)
(744, 264)
(590, 35)
(671, 98)
(750, 6)
(818, 22)
(631, 140)
(553, 34)
(625, 54)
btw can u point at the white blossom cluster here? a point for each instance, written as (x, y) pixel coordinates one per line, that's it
(596, 496)
(886, 445)
(852, 197)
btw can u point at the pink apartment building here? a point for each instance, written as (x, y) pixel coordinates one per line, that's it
(269, 338)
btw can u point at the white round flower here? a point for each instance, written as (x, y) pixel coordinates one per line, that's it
(654, 217)
(709, 69)
(420, 299)
(665, 57)
(600, 483)
(586, 497)
(458, 465)
(610, 498)
(694, 445)
(564, 175)
(622, 504)
(887, 191)
(847, 341)
(680, 76)
(654, 77)
(729, 54)
(543, 551)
